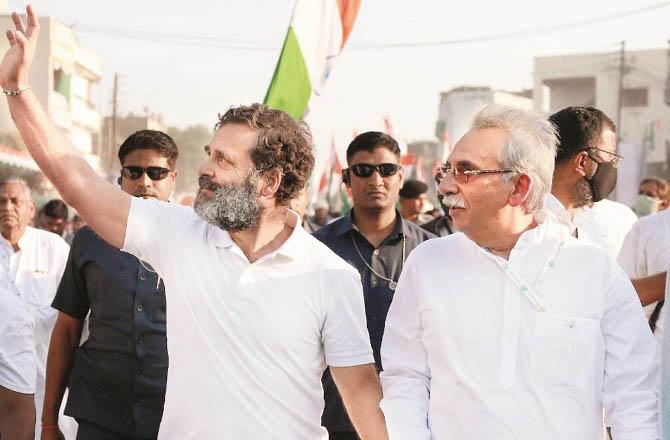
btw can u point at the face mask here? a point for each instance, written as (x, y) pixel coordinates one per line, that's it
(603, 181)
(645, 205)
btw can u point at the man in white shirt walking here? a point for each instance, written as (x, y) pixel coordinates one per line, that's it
(31, 265)
(585, 174)
(256, 307)
(513, 329)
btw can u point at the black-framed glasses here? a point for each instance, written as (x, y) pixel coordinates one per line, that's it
(462, 174)
(366, 169)
(133, 172)
(615, 158)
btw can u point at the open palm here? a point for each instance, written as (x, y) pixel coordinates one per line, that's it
(22, 42)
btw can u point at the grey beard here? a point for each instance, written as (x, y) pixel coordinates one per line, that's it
(231, 208)
(581, 194)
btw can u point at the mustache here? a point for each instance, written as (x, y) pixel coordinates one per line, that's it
(451, 201)
(206, 182)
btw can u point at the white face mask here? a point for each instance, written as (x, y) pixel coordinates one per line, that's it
(645, 205)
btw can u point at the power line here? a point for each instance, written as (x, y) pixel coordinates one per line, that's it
(217, 42)
(521, 33)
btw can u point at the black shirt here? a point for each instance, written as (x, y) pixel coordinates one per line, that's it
(387, 261)
(118, 375)
(439, 226)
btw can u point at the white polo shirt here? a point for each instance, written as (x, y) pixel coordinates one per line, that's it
(17, 347)
(247, 343)
(468, 355)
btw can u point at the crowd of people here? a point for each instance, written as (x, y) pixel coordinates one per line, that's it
(528, 307)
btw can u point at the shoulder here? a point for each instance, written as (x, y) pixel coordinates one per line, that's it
(608, 211)
(417, 232)
(454, 246)
(51, 240)
(320, 256)
(329, 231)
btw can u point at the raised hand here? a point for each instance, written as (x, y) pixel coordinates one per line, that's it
(15, 65)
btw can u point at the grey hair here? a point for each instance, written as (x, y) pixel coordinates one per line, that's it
(530, 150)
(14, 179)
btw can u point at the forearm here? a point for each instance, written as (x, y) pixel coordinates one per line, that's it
(17, 415)
(52, 151)
(366, 415)
(59, 364)
(361, 393)
(650, 289)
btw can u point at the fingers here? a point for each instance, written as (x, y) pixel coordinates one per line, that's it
(20, 39)
(10, 37)
(18, 23)
(33, 21)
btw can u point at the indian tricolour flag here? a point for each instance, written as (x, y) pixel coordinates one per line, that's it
(317, 33)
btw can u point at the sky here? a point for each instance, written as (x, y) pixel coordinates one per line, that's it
(192, 60)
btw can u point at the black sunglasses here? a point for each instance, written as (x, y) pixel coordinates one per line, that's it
(134, 172)
(366, 169)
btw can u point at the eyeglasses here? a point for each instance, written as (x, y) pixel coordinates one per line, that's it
(134, 172)
(461, 174)
(366, 169)
(615, 160)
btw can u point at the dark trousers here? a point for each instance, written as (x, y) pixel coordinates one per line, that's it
(91, 431)
(343, 436)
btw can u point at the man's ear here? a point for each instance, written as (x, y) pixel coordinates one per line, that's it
(271, 181)
(580, 163)
(519, 195)
(346, 177)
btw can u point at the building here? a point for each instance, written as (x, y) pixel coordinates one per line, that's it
(593, 79)
(459, 105)
(66, 79)
(122, 128)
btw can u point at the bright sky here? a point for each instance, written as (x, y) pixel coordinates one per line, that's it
(182, 59)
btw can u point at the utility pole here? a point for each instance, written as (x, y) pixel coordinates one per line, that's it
(667, 79)
(112, 135)
(622, 72)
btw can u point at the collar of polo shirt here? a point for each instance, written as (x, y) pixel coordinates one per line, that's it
(295, 247)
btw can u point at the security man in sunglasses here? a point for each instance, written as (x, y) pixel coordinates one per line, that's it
(374, 239)
(117, 378)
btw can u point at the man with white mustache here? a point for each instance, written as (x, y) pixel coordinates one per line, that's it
(511, 328)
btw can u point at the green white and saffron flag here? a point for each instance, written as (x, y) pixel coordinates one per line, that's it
(317, 33)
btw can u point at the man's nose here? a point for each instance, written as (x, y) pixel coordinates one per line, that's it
(447, 185)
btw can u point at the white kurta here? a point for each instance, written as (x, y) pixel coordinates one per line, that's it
(17, 347)
(33, 274)
(646, 252)
(605, 224)
(467, 355)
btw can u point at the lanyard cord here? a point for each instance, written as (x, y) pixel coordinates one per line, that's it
(392, 283)
(524, 287)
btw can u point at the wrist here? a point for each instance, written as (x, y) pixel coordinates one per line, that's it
(16, 86)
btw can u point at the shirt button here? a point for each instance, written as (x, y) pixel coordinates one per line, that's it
(142, 277)
(375, 252)
(139, 371)
(139, 308)
(139, 341)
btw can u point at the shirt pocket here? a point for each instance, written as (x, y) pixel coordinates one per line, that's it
(564, 350)
(39, 289)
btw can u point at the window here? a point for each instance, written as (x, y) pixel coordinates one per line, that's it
(634, 97)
